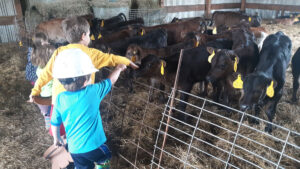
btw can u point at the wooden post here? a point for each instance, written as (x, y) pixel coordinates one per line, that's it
(19, 18)
(161, 3)
(243, 5)
(282, 12)
(207, 8)
(277, 14)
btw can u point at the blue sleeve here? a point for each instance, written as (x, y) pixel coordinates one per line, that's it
(103, 88)
(30, 71)
(56, 116)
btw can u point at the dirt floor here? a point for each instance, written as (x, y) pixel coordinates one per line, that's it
(23, 138)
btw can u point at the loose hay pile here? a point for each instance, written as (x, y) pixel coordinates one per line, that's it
(23, 138)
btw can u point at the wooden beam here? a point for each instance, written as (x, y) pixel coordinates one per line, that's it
(226, 6)
(187, 8)
(293, 8)
(243, 5)
(184, 8)
(7, 20)
(207, 8)
(162, 3)
(19, 16)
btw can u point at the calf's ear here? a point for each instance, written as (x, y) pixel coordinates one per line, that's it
(163, 63)
(210, 50)
(232, 55)
(183, 34)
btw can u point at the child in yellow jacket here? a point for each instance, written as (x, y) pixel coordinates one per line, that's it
(77, 32)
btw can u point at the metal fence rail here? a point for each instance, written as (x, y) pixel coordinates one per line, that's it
(230, 148)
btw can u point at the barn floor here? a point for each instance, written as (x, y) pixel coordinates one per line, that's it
(23, 138)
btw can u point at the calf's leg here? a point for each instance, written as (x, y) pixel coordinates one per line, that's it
(295, 87)
(184, 97)
(273, 105)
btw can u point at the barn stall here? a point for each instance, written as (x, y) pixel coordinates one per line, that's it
(137, 128)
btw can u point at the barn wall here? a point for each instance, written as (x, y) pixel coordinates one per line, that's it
(170, 16)
(46, 9)
(268, 14)
(197, 12)
(42, 10)
(104, 9)
(8, 33)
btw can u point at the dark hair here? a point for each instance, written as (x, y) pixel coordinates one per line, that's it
(75, 83)
(74, 27)
(39, 37)
(41, 55)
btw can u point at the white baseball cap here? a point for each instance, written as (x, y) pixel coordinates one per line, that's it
(72, 63)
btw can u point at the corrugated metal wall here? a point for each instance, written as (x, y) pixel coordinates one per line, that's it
(225, 1)
(170, 16)
(188, 14)
(8, 33)
(107, 9)
(268, 14)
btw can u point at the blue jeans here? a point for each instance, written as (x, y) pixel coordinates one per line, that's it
(87, 160)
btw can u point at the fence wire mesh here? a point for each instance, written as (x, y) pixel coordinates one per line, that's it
(215, 135)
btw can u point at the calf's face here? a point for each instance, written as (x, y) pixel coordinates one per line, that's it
(150, 67)
(254, 88)
(222, 64)
(255, 21)
(134, 54)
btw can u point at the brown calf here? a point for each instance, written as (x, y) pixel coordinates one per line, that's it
(53, 29)
(176, 29)
(233, 18)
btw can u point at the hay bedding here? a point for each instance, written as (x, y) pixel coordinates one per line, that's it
(23, 138)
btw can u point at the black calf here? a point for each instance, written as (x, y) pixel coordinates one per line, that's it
(296, 74)
(269, 73)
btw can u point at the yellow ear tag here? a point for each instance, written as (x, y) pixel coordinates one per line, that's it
(102, 23)
(235, 64)
(133, 58)
(197, 44)
(142, 33)
(99, 36)
(238, 83)
(20, 43)
(211, 56)
(162, 69)
(296, 20)
(214, 31)
(92, 37)
(249, 19)
(270, 90)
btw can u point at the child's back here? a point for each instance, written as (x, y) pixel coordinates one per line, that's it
(80, 114)
(78, 108)
(40, 56)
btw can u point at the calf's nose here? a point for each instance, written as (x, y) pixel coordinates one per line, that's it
(209, 79)
(244, 107)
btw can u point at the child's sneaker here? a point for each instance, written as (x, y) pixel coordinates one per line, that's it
(104, 165)
(47, 122)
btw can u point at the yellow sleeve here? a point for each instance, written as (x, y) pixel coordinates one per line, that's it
(45, 76)
(101, 59)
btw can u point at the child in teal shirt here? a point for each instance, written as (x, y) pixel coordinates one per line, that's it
(78, 108)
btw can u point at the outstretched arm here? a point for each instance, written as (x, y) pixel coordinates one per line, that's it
(57, 141)
(116, 73)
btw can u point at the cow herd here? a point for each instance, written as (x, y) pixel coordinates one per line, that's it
(236, 55)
